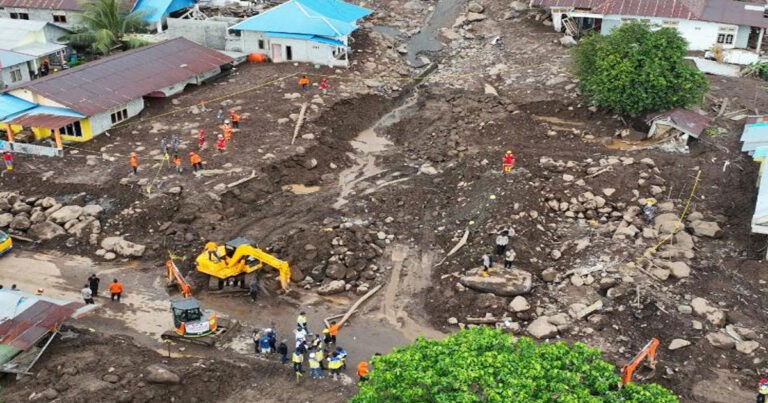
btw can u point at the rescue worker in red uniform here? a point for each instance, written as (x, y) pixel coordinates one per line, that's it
(200, 139)
(508, 162)
(221, 144)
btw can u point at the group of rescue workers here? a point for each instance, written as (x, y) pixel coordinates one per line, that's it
(321, 351)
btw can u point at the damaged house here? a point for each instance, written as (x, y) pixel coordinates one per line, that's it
(703, 23)
(672, 129)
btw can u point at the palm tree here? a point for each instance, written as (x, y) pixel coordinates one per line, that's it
(104, 26)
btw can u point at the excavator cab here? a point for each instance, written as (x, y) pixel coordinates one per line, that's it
(190, 320)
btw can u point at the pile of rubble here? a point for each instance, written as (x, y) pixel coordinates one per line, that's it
(46, 219)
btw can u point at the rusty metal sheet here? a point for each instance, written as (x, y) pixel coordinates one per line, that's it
(684, 118)
(44, 121)
(34, 322)
(684, 9)
(111, 82)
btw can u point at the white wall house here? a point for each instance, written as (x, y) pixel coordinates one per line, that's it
(65, 13)
(14, 68)
(36, 40)
(702, 24)
(314, 31)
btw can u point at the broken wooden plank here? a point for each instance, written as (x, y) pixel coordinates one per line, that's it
(458, 246)
(242, 180)
(356, 305)
(299, 121)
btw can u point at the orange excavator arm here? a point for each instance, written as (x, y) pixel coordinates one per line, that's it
(174, 276)
(648, 351)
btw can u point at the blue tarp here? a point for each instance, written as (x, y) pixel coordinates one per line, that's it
(329, 18)
(314, 38)
(155, 10)
(754, 135)
(10, 105)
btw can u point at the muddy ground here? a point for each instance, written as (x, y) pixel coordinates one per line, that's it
(387, 173)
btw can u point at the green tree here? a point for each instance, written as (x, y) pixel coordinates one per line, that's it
(635, 70)
(104, 26)
(485, 364)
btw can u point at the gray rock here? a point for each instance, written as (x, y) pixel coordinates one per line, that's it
(568, 41)
(721, 340)
(706, 228)
(747, 347)
(555, 81)
(428, 169)
(45, 231)
(475, 17)
(702, 307)
(47, 202)
(122, 247)
(678, 343)
(453, 321)
(66, 213)
(111, 378)
(475, 7)
(219, 188)
(81, 227)
(678, 269)
(507, 284)
(21, 222)
(489, 90)
(332, 287)
(309, 163)
(92, 210)
(37, 216)
(110, 256)
(159, 374)
(336, 271)
(685, 309)
(519, 304)
(667, 223)
(5, 219)
(541, 328)
(518, 5)
(549, 275)
(175, 190)
(20, 207)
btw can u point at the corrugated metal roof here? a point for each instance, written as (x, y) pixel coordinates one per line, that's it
(49, 4)
(111, 82)
(40, 49)
(296, 17)
(15, 33)
(685, 119)
(154, 10)
(10, 105)
(8, 58)
(25, 318)
(723, 11)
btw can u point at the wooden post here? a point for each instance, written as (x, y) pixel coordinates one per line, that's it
(57, 138)
(10, 132)
(760, 41)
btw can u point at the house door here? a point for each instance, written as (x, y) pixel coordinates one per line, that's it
(277, 53)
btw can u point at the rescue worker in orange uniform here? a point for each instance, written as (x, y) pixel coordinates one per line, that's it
(235, 119)
(195, 161)
(333, 331)
(227, 130)
(177, 163)
(134, 163)
(362, 371)
(116, 290)
(304, 82)
(508, 162)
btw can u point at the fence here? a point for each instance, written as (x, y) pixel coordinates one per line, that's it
(34, 149)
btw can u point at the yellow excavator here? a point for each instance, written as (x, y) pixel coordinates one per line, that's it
(235, 259)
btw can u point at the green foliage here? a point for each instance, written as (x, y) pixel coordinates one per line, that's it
(759, 69)
(105, 26)
(485, 364)
(634, 70)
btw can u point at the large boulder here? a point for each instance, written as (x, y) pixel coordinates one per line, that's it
(159, 374)
(678, 269)
(92, 210)
(66, 213)
(703, 308)
(20, 222)
(5, 219)
(667, 223)
(332, 287)
(507, 283)
(122, 247)
(46, 230)
(706, 228)
(336, 271)
(81, 227)
(721, 340)
(541, 328)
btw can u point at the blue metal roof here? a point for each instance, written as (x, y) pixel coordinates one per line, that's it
(10, 105)
(314, 38)
(330, 18)
(754, 135)
(155, 10)
(8, 58)
(44, 110)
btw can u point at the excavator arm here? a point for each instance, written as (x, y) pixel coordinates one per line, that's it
(174, 276)
(648, 351)
(226, 267)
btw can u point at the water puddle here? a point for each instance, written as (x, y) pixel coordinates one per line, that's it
(367, 145)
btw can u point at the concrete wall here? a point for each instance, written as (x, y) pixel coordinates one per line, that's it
(102, 121)
(700, 35)
(197, 80)
(276, 49)
(211, 33)
(5, 74)
(38, 14)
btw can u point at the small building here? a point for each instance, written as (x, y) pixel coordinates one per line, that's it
(672, 129)
(703, 23)
(313, 31)
(35, 39)
(14, 68)
(88, 100)
(64, 13)
(755, 139)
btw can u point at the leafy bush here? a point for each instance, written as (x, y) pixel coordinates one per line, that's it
(759, 69)
(485, 364)
(634, 70)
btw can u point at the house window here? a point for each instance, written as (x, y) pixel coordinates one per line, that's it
(16, 75)
(725, 39)
(288, 53)
(20, 16)
(119, 115)
(72, 130)
(261, 43)
(60, 18)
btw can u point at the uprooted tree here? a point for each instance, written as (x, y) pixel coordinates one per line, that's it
(636, 70)
(485, 364)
